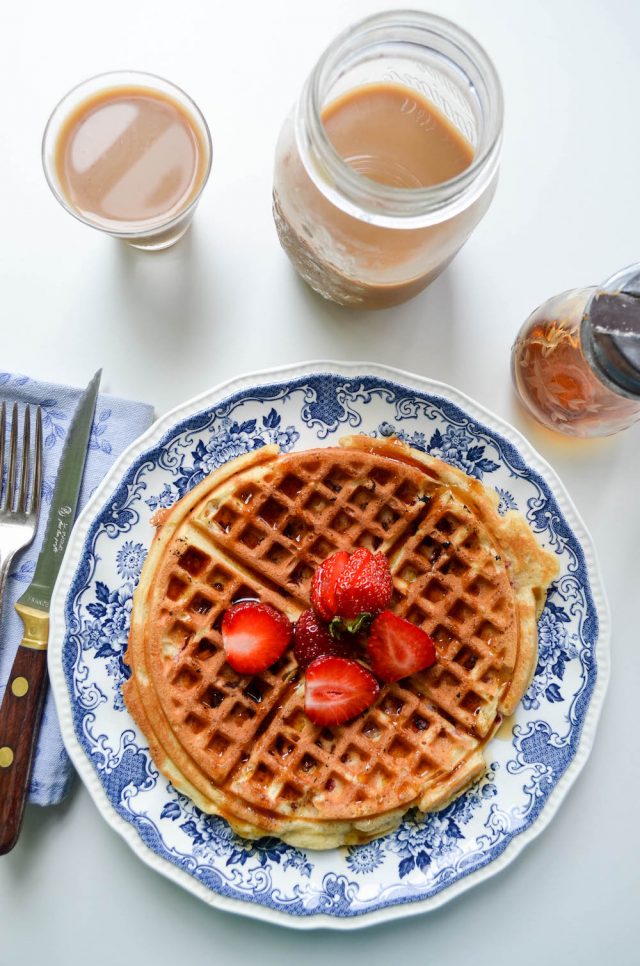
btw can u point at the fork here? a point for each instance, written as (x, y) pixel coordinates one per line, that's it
(20, 492)
(19, 512)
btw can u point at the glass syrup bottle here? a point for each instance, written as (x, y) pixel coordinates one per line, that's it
(576, 361)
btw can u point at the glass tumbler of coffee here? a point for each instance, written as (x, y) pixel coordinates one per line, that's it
(128, 153)
(389, 159)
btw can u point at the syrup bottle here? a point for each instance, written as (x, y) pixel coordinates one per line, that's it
(576, 360)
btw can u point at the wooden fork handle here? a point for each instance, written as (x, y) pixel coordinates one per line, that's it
(20, 714)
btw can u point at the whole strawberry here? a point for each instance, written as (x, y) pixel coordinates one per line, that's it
(364, 586)
(312, 640)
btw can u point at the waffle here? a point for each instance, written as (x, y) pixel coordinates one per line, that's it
(257, 528)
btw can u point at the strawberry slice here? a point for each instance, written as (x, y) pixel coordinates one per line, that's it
(364, 585)
(323, 585)
(337, 690)
(313, 640)
(397, 648)
(254, 636)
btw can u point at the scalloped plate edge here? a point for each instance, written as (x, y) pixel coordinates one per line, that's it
(72, 559)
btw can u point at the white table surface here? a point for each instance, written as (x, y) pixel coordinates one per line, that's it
(225, 301)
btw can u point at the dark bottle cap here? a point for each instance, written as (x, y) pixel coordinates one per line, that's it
(611, 331)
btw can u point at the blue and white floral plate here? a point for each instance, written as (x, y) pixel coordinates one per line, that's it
(425, 862)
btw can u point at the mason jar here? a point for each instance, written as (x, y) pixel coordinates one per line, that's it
(355, 240)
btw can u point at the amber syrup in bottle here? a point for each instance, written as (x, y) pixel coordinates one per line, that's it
(576, 360)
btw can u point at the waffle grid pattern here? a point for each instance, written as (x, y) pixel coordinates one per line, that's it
(264, 540)
(453, 586)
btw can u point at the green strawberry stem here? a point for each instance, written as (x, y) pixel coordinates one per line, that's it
(340, 626)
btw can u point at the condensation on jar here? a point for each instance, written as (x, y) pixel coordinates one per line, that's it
(361, 225)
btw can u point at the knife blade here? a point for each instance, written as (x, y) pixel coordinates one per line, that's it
(63, 504)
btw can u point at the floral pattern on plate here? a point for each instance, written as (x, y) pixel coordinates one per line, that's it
(427, 859)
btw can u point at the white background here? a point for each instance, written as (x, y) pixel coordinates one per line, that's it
(225, 301)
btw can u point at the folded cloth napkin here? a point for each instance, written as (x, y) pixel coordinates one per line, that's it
(117, 423)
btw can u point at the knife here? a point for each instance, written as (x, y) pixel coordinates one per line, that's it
(23, 700)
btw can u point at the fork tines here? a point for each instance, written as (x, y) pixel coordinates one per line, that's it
(23, 498)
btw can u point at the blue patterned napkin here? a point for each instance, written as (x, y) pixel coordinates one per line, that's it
(116, 424)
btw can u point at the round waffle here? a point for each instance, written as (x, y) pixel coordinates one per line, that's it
(242, 747)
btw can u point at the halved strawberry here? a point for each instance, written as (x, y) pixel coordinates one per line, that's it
(323, 585)
(364, 585)
(254, 636)
(397, 648)
(312, 640)
(337, 690)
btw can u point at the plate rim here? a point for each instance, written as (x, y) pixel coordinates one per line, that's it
(72, 558)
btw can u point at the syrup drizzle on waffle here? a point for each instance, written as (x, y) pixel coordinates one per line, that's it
(246, 745)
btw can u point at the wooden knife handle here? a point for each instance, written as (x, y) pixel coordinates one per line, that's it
(19, 724)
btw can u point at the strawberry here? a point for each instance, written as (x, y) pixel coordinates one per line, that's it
(337, 690)
(323, 585)
(254, 636)
(397, 648)
(313, 640)
(364, 585)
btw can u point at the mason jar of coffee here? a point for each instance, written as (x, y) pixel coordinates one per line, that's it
(389, 158)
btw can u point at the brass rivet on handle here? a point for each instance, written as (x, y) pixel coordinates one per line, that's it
(19, 687)
(6, 757)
